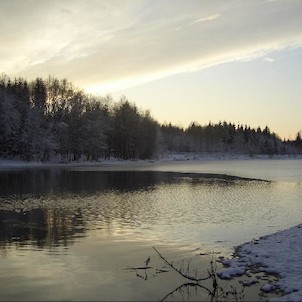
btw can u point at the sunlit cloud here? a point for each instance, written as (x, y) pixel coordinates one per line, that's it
(269, 59)
(110, 45)
(209, 18)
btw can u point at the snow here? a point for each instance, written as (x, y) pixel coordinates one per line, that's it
(6, 163)
(249, 282)
(268, 287)
(279, 253)
(169, 157)
(223, 155)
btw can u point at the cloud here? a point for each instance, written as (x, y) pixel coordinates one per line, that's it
(269, 59)
(112, 44)
(209, 18)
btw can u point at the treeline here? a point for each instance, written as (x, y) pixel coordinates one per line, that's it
(45, 118)
(50, 118)
(227, 137)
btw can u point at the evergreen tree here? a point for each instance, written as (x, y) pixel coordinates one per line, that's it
(10, 123)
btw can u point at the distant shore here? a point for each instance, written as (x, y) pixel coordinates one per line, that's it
(17, 163)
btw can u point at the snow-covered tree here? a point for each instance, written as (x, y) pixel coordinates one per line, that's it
(10, 123)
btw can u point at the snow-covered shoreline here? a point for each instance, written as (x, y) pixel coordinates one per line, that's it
(16, 163)
(279, 253)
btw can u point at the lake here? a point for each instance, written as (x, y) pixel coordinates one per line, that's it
(76, 233)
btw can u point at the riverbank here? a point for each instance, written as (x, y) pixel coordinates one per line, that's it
(277, 254)
(185, 156)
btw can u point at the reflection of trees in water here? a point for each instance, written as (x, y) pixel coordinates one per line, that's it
(29, 181)
(58, 181)
(44, 228)
(102, 199)
(209, 287)
(99, 181)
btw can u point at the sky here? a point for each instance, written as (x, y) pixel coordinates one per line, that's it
(194, 60)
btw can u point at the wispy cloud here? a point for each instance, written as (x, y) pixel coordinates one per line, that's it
(209, 18)
(106, 45)
(269, 59)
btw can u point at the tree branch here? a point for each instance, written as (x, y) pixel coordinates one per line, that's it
(211, 275)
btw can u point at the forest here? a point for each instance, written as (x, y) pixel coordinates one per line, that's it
(47, 119)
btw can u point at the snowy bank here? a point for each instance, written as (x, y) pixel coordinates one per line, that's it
(180, 156)
(169, 157)
(279, 253)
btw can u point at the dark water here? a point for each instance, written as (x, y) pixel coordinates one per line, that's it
(73, 234)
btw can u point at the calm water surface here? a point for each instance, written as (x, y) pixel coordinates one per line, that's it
(72, 234)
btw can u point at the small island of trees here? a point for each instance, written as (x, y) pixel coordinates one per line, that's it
(49, 118)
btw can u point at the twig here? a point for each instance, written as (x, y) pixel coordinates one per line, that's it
(211, 275)
(138, 268)
(193, 284)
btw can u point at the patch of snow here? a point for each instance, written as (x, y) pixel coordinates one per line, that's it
(268, 287)
(169, 157)
(235, 269)
(182, 156)
(6, 163)
(249, 282)
(279, 253)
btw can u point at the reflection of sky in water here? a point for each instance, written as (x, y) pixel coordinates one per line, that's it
(73, 231)
(150, 206)
(90, 270)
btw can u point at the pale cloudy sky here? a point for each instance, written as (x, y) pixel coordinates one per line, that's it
(193, 60)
